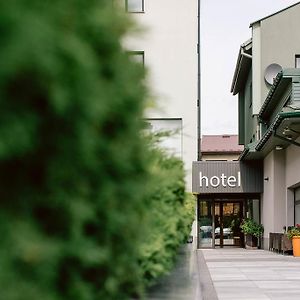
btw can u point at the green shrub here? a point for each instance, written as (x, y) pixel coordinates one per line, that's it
(172, 212)
(72, 161)
(81, 196)
(293, 231)
(249, 226)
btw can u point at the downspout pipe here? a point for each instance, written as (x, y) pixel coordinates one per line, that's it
(198, 116)
(199, 155)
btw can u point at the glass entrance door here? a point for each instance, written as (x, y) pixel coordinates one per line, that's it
(228, 216)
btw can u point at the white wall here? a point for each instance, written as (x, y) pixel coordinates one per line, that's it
(279, 191)
(282, 170)
(172, 142)
(268, 195)
(292, 179)
(170, 45)
(280, 42)
(292, 166)
(274, 204)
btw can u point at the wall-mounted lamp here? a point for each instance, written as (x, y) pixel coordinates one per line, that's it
(278, 147)
(286, 130)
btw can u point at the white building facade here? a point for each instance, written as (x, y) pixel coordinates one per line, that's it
(167, 45)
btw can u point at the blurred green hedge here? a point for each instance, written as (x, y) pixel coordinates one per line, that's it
(75, 171)
(171, 214)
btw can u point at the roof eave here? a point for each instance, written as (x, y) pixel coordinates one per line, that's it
(249, 150)
(241, 66)
(258, 21)
(283, 76)
(271, 92)
(280, 117)
(235, 75)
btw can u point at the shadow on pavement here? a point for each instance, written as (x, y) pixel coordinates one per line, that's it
(183, 282)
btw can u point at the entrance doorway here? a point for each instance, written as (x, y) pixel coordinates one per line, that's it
(219, 219)
(228, 217)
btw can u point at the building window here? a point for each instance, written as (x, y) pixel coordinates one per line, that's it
(171, 132)
(205, 223)
(135, 6)
(137, 56)
(297, 61)
(297, 205)
(253, 209)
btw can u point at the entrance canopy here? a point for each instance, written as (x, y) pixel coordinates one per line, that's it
(213, 177)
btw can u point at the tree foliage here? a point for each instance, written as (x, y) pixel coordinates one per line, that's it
(73, 164)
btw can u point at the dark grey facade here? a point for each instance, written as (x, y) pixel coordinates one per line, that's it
(215, 177)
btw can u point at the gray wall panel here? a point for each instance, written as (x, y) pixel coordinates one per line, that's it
(223, 177)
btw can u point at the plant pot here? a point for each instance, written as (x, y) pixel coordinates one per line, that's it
(236, 241)
(296, 245)
(251, 241)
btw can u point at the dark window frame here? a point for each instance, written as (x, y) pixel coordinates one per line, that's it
(297, 57)
(180, 130)
(139, 52)
(296, 202)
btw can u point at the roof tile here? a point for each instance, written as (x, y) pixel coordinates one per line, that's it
(221, 143)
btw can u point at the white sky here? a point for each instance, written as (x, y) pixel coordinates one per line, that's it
(224, 27)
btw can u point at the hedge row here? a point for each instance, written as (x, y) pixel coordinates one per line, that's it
(171, 213)
(77, 178)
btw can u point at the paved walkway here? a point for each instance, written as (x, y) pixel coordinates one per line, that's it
(224, 274)
(251, 274)
(183, 282)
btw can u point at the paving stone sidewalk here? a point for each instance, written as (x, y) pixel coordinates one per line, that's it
(251, 274)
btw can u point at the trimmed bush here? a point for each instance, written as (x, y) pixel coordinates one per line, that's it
(80, 191)
(172, 212)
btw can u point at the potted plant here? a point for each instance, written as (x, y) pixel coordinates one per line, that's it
(294, 234)
(252, 231)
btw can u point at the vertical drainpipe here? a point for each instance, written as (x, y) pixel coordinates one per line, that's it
(199, 89)
(198, 115)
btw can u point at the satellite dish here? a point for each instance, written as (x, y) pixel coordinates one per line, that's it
(271, 72)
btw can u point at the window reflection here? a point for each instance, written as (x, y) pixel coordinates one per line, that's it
(205, 224)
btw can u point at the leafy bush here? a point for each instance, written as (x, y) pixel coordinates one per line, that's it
(74, 167)
(172, 212)
(249, 226)
(293, 231)
(72, 161)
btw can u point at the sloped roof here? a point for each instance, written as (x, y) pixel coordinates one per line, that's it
(271, 15)
(242, 67)
(243, 64)
(220, 143)
(280, 83)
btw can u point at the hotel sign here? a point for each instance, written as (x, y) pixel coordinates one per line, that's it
(224, 180)
(227, 177)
